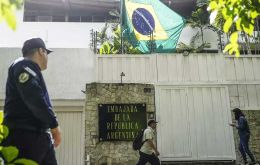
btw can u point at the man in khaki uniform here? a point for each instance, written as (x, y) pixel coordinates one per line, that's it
(149, 152)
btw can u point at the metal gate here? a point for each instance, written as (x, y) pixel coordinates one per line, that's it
(193, 123)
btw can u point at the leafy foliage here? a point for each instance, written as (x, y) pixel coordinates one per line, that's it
(10, 153)
(102, 35)
(199, 19)
(241, 14)
(113, 46)
(115, 22)
(7, 11)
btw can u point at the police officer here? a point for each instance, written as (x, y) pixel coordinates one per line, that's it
(28, 111)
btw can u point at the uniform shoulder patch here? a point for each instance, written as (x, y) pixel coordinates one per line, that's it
(23, 77)
(29, 70)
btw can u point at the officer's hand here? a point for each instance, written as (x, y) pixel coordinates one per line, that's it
(56, 134)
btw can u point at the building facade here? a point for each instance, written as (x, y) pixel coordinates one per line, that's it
(205, 86)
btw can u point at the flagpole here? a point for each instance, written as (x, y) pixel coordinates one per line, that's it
(121, 25)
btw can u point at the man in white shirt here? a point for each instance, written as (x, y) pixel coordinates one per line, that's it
(149, 152)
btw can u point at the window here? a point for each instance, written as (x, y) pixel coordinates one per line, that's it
(74, 19)
(44, 18)
(29, 18)
(71, 11)
(86, 19)
(99, 19)
(58, 19)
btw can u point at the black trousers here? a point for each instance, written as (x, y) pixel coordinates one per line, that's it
(32, 145)
(244, 148)
(144, 158)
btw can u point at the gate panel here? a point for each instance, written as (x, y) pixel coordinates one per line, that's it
(174, 114)
(71, 150)
(193, 123)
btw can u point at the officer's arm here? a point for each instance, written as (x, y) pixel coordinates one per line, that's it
(33, 95)
(56, 134)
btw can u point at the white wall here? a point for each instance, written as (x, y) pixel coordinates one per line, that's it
(176, 68)
(68, 71)
(55, 34)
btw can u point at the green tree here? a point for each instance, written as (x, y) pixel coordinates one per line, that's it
(114, 46)
(239, 17)
(102, 36)
(199, 20)
(7, 11)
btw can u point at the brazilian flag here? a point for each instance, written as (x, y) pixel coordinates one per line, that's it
(151, 26)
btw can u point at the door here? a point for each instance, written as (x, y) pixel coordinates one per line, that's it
(193, 123)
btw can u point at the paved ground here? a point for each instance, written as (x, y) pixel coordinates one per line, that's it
(199, 163)
(204, 163)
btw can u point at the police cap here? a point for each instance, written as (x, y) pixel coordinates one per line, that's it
(33, 44)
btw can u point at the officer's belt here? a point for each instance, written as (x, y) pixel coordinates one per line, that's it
(27, 128)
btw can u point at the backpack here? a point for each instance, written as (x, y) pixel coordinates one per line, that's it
(138, 141)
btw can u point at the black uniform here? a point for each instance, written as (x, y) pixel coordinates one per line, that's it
(28, 113)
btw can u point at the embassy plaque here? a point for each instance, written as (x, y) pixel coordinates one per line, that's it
(121, 122)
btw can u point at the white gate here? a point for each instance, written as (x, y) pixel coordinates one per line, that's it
(193, 123)
(71, 150)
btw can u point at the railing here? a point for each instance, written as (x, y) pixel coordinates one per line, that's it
(249, 45)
